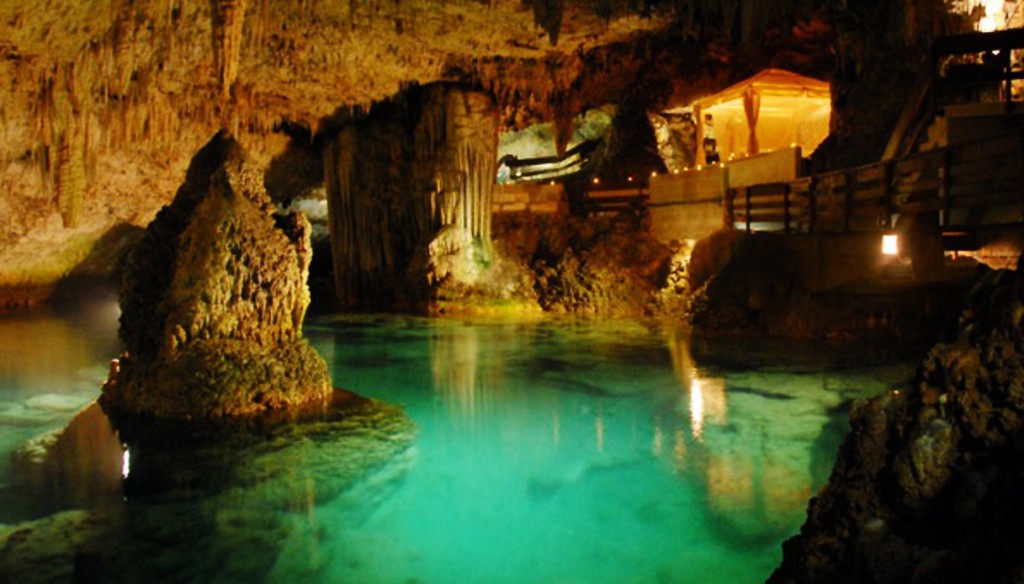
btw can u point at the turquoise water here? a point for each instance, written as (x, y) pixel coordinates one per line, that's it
(549, 451)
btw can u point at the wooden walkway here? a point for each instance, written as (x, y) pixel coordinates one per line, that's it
(966, 186)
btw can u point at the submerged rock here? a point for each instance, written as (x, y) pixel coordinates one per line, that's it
(213, 299)
(927, 484)
(197, 501)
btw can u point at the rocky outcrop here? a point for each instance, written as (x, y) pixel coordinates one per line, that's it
(758, 285)
(926, 487)
(604, 265)
(456, 274)
(212, 301)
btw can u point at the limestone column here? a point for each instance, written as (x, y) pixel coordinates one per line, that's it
(423, 161)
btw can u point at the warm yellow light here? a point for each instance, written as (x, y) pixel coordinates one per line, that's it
(654, 174)
(993, 18)
(126, 463)
(696, 409)
(890, 244)
(698, 167)
(596, 180)
(676, 171)
(630, 179)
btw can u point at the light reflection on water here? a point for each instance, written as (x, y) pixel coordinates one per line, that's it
(547, 451)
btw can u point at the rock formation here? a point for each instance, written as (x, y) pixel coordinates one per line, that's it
(422, 163)
(927, 484)
(605, 265)
(759, 285)
(212, 301)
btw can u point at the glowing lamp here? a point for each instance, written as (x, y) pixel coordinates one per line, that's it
(596, 180)
(890, 244)
(654, 174)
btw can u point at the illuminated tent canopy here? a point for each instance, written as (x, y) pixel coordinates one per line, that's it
(773, 109)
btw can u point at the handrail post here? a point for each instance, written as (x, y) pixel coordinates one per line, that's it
(888, 199)
(1020, 135)
(746, 190)
(785, 207)
(727, 212)
(947, 164)
(847, 200)
(812, 204)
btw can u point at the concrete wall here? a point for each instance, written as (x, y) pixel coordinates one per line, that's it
(687, 205)
(781, 165)
(536, 198)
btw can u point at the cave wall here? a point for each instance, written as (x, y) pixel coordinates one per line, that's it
(394, 178)
(882, 56)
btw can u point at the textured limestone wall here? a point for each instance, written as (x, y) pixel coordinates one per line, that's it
(419, 163)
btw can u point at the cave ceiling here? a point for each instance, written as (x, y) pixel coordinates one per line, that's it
(112, 97)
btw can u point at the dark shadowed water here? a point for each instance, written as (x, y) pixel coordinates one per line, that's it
(556, 452)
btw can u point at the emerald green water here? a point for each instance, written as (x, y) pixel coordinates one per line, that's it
(553, 451)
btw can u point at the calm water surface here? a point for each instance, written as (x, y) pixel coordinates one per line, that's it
(552, 452)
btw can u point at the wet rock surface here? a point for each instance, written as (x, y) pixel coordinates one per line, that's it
(604, 265)
(213, 298)
(755, 285)
(926, 485)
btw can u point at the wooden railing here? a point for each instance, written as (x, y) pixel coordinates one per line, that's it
(631, 200)
(965, 185)
(970, 62)
(549, 167)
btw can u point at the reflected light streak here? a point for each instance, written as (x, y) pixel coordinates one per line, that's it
(697, 408)
(707, 403)
(599, 429)
(556, 430)
(126, 463)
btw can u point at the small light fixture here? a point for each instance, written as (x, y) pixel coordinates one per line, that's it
(654, 173)
(698, 167)
(630, 179)
(597, 180)
(890, 244)
(676, 171)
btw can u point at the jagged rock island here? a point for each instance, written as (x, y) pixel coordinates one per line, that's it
(212, 301)
(926, 486)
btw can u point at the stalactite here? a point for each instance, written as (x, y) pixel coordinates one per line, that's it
(123, 39)
(70, 179)
(228, 18)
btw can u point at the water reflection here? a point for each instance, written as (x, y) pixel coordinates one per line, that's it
(597, 452)
(744, 436)
(751, 436)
